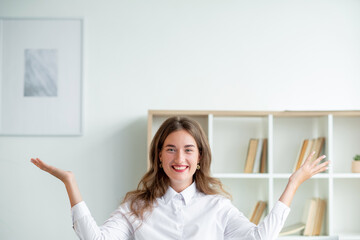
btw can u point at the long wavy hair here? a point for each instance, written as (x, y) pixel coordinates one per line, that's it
(155, 182)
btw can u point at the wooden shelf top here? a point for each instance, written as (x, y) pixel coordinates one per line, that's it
(254, 113)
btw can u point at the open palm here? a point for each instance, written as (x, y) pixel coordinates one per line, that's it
(64, 176)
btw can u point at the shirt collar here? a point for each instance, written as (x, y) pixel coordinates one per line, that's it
(187, 194)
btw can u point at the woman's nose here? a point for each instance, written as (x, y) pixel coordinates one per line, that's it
(179, 158)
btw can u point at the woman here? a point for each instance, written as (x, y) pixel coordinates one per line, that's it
(177, 198)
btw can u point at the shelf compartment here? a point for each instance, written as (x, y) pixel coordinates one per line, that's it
(231, 140)
(288, 136)
(312, 188)
(346, 131)
(254, 190)
(347, 207)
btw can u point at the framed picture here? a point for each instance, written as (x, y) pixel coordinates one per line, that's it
(41, 76)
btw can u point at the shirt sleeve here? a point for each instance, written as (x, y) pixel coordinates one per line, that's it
(117, 227)
(239, 227)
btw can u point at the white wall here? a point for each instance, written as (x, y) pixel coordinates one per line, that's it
(166, 54)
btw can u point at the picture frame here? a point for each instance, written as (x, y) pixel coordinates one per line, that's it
(41, 63)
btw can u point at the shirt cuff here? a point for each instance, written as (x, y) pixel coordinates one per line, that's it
(281, 209)
(79, 210)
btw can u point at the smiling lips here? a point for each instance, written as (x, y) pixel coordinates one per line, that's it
(180, 168)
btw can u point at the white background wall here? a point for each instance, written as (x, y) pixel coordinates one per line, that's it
(167, 54)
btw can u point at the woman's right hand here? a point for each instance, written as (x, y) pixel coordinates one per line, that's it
(64, 176)
(67, 177)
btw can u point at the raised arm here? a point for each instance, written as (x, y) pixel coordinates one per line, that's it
(67, 177)
(116, 227)
(306, 171)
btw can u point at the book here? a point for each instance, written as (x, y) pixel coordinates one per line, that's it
(315, 217)
(301, 154)
(319, 217)
(307, 147)
(263, 162)
(310, 220)
(252, 216)
(308, 150)
(251, 153)
(320, 142)
(256, 168)
(292, 229)
(258, 212)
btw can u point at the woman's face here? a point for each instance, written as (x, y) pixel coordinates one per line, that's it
(179, 157)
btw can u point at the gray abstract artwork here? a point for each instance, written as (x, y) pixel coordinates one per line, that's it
(41, 72)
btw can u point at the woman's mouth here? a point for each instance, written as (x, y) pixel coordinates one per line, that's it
(180, 168)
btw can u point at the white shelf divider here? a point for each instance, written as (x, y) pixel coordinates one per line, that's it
(270, 160)
(330, 200)
(211, 130)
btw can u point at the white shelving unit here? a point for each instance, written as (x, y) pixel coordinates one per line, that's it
(229, 133)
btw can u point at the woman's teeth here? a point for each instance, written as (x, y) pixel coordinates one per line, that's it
(180, 168)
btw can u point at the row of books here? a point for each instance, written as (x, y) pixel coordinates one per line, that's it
(258, 212)
(307, 147)
(256, 159)
(312, 221)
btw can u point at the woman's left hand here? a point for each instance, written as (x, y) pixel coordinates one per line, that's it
(308, 169)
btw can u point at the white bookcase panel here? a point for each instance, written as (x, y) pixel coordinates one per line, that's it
(229, 133)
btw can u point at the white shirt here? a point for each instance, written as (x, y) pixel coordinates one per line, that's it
(187, 215)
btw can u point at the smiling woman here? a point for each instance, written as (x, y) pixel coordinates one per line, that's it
(177, 198)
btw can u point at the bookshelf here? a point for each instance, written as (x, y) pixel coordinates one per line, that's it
(229, 133)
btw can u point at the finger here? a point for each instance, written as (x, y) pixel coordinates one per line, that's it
(310, 157)
(40, 164)
(321, 166)
(318, 160)
(321, 170)
(35, 161)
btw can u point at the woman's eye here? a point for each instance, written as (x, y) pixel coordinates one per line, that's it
(170, 150)
(188, 150)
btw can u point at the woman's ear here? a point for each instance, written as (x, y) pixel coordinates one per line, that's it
(160, 156)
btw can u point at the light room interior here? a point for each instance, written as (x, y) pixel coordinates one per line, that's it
(197, 55)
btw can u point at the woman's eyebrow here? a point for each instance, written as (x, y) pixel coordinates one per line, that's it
(189, 145)
(170, 145)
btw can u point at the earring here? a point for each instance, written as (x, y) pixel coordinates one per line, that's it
(198, 167)
(160, 165)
